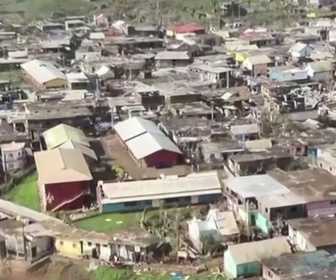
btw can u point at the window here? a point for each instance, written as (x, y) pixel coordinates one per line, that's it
(266, 210)
(333, 202)
(130, 204)
(330, 169)
(187, 199)
(89, 243)
(293, 209)
(74, 245)
(61, 243)
(321, 165)
(10, 155)
(170, 200)
(148, 202)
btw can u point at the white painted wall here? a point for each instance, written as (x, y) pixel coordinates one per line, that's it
(326, 161)
(297, 238)
(305, 52)
(105, 249)
(105, 252)
(247, 64)
(194, 234)
(13, 159)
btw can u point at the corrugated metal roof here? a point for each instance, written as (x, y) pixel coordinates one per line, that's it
(61, 166)
(255, 186)
(172, 55)
(225, 221)
(321, 66)
(259, 59)
(255, 251)
(206, 183)
(58, 135)
(298, 47)
(13, 209)
(135, 126)
(258, 145)
(245, 129)
(186, 28)
(84, 149)
(42, 71)
(150, 143)
(77, 77)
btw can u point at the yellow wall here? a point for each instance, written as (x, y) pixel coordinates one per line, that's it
(56, 83)
(240, 57)
(170, 33)
(68, 247)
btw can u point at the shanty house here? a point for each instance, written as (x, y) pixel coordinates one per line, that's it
(286, 74)
(243, 260)
(59, 134)
(177, 29)
(320, 70)
(259, 200)
(173, 59)
(245, 131)
(67, 137)
(13, 156)
(77, 81)
(22, 241)
(136, 195)
(159, 150)
(44, 74)
(63, 177)
(257, 64)
(312, 265)
(217, 224)
(313, 233)
(301, 50)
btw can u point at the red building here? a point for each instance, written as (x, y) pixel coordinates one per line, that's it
(195, 28)
(63, 178)
(146, 143)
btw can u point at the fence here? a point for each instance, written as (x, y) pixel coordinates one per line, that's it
(16, 179)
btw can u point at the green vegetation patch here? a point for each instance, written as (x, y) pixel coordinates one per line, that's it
(26, 193)
(108, 222)
(13, 76)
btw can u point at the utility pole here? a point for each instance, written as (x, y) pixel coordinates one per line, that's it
(4, 158)
(24, 244)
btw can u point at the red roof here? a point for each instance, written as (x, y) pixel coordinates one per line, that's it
(249, 35)
(112, 32)
(186, 28)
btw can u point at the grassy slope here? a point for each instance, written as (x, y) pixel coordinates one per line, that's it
(26, 193)
(45, 8)
(143, 10)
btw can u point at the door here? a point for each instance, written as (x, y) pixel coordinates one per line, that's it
(33, 252)
(194, 199)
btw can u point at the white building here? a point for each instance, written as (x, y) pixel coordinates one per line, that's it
(13, 156)
(301, 50)
(217, 224)
(312, 234)
(77, 81)
(320, 70)
(326, 158)
(73, 24)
